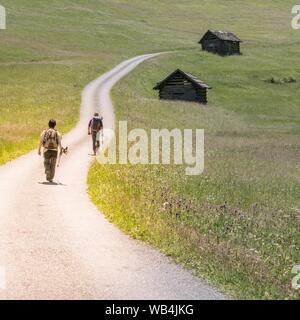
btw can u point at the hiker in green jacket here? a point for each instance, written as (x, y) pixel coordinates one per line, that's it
(50, 141)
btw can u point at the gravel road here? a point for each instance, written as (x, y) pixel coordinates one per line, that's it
(55, 244)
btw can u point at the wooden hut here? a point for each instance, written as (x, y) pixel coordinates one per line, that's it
(180, 85)
(220, 42)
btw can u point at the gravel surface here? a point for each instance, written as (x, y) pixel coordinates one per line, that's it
(54, 243)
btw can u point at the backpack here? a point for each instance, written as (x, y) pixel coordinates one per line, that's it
(50, 139)
(96, 124)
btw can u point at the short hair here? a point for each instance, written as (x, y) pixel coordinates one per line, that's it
(96, 114)
(52, 123)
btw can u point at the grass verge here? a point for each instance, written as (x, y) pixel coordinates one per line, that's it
(238, 223)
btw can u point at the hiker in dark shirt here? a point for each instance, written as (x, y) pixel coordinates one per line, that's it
(95, 127)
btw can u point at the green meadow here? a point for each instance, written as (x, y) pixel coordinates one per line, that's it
(237, 224)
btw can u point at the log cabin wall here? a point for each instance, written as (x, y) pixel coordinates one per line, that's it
(230, 48)
(214, 46)
(178, 88)
(182, 86)
(224, 48)
(220, 44)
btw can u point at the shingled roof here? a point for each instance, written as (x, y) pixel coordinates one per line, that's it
(222, 35)
(193, 79)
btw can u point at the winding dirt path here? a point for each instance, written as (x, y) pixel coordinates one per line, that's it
(54, 243)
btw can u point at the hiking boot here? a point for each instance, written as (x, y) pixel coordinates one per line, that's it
(49, 179)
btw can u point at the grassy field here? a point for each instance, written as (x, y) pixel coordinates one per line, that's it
(237, 224)
(51, 50)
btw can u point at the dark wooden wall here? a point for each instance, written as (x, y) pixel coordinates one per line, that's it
(215, 45)
(179, 88)
(231, 48)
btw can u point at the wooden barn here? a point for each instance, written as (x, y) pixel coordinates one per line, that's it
(220, 42)
(180, 85)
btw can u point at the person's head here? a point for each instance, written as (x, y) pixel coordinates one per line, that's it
(52, 123)
(96, 114)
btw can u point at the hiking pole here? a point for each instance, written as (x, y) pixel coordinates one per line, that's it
(62, 151)
(59, 158)
(102, 136)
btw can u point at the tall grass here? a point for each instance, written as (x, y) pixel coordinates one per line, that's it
(50, 50)
(238, 223)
